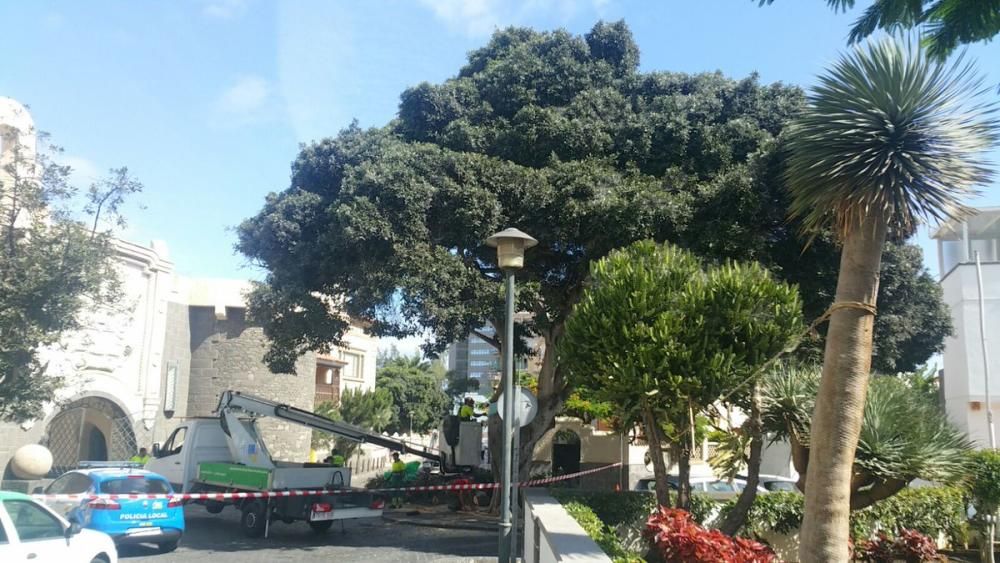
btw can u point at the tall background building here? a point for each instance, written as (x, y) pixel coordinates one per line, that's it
(475, 358)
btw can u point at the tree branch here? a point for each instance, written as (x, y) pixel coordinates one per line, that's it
(882, 489)
(491, 340)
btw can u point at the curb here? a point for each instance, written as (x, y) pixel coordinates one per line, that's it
(437, 523)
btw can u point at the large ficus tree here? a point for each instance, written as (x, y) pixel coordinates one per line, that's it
(659, 335)
(557, 135)
(56, 262)
(887, 138)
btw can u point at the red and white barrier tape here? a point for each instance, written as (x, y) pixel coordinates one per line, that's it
(316, 492)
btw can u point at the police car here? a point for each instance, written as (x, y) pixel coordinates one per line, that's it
(127, 521)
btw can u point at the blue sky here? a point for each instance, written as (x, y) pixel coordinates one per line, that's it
(206, 101)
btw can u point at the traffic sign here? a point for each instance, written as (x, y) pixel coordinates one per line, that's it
(527, 406)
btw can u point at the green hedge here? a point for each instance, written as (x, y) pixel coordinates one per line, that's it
(599, 531)
(928, 510)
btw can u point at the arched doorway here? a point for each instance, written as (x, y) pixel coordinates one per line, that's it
(565, 452)
(89, 429)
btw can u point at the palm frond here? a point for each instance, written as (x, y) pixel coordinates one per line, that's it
(887, 130)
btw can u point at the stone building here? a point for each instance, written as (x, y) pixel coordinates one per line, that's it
(163, 354)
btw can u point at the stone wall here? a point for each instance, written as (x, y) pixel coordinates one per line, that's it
(228, 354)
(177, 354)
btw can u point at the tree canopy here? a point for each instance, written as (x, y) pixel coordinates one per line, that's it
(56, 263)
(418, 399)
(558, 135)
(659, 335)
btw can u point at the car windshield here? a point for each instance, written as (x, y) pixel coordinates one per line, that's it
(781, 486)
(135, 484)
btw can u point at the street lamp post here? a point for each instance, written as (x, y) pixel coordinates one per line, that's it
(510, 245)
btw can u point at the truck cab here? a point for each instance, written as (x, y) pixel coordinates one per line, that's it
(195, 441)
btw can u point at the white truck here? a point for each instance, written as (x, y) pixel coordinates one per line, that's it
(227, 454)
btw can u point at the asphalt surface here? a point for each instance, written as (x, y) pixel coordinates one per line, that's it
(219, 537)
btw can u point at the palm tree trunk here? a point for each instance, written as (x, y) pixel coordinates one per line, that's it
(656, 452)
(840, 403)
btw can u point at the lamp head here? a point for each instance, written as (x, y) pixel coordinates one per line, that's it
(511, 244)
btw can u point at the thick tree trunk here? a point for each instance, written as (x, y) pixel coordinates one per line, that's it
(738, 515)
(684, 475)
(656, 453)
(840, 403)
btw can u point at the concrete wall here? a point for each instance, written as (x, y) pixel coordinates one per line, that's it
(551, 534)
(228, 354)
(964, 381)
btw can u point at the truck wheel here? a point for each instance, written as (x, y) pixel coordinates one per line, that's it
(322, 526)
(252, 520)
(214, 506)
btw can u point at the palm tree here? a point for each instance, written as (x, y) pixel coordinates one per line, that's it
(947, 24)
(888, 138)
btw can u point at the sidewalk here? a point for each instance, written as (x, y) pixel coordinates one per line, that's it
(441, 517)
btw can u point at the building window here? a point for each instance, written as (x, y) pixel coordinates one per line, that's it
(327, 384)
(481, 363)
(482, 351)
(354, 366)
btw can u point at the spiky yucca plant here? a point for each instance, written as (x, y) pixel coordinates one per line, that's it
(903, 437)
(888, 138)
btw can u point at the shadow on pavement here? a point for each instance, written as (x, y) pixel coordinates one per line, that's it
(221, 533)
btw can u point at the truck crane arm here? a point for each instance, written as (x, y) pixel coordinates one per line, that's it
(234, 400)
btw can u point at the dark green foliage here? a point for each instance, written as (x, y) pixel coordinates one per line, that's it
(945, 24)
(417, 395)
(610, 507)
(598, 530)
(912, 320)
(928, 510)
(984, 486)
(558, 135)
(779, 512)
(56, 265)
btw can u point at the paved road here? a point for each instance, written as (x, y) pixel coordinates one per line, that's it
(218, 537)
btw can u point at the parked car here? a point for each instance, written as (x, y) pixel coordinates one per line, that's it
(775, 483)
(709, 486)
(127, 521)
(31, 531)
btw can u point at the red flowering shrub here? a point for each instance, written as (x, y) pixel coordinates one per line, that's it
(911, 546)
(680, 540)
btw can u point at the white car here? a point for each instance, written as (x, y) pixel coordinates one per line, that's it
(710, 487)
(32, 532)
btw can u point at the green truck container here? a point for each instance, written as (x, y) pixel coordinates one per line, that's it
(231, 475)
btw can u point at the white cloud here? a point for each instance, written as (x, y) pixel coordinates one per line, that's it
(473, 17)
(247, 96)
(477, 18)
(224, 9)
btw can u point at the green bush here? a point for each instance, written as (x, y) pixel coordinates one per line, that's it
(599, 531)
(984, 487)
(610, 507)
(779, 512)
(928, 510)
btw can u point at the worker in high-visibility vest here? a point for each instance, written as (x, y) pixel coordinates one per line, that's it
(466, 412)
(141, 457)
(335, 458)
(396, 479)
